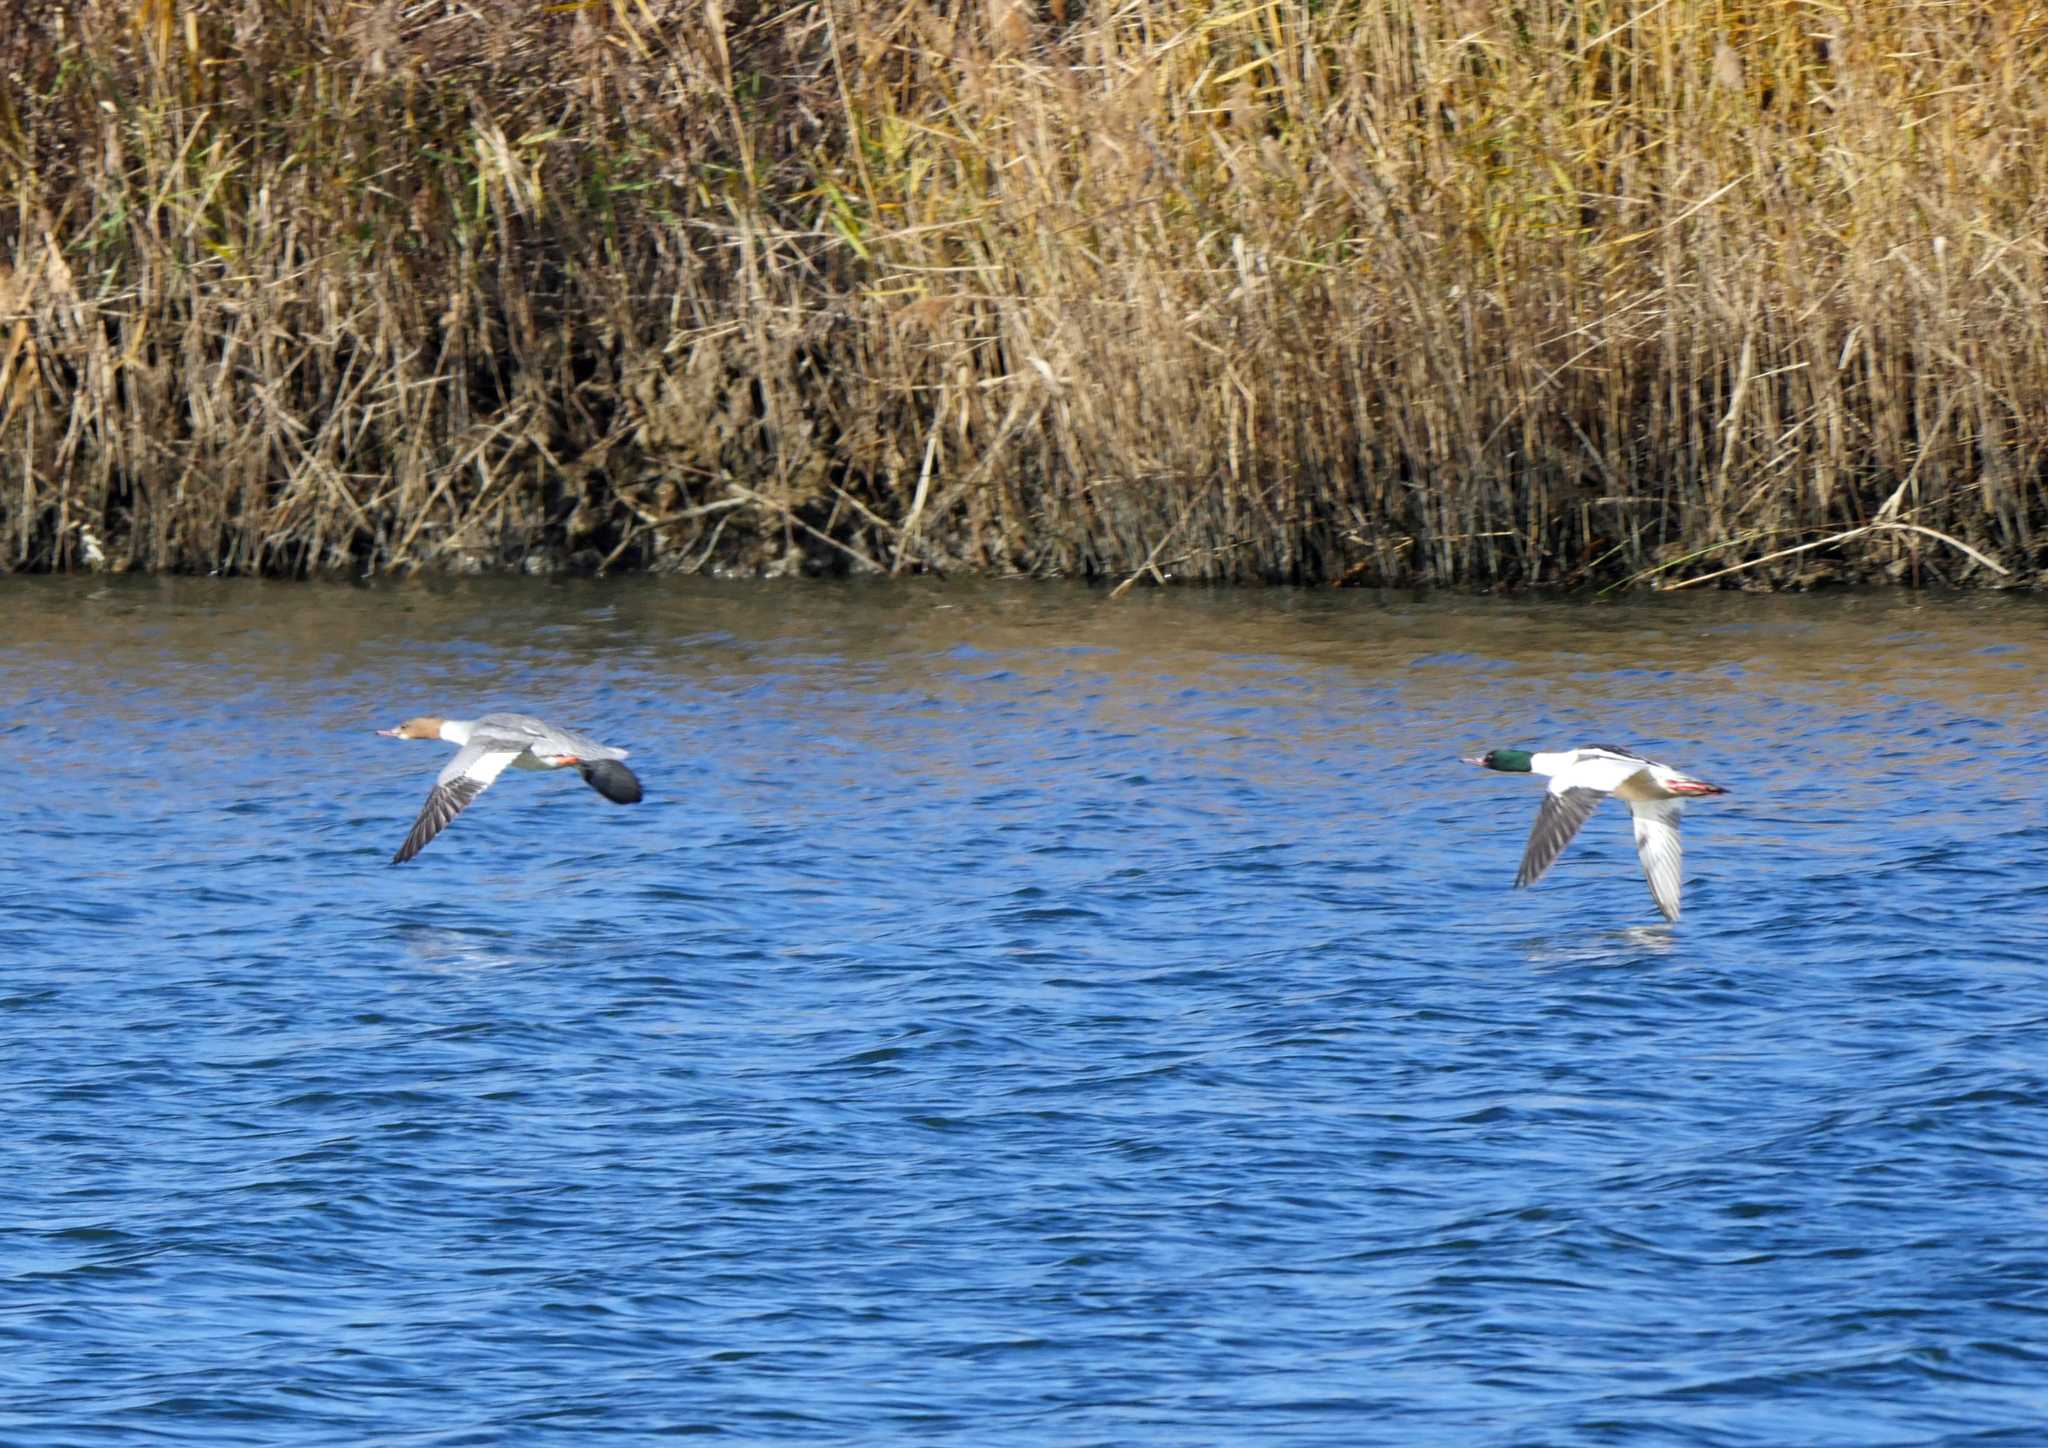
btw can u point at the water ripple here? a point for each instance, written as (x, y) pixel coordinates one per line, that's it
(1016, 1019)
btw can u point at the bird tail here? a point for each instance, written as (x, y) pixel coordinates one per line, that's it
(611, 779)
(1685, 786)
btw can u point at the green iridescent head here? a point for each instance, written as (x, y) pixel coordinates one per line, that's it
(1508, 761)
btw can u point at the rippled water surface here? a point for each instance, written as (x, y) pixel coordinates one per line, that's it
(1016, 1017)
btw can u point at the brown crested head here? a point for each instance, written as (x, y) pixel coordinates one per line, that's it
(426, 726)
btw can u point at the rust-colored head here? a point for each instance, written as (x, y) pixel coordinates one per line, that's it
(426, 726)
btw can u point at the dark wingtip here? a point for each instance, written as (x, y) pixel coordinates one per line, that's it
(612, 780)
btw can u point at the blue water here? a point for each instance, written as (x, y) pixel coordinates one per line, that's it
(1018, 1018)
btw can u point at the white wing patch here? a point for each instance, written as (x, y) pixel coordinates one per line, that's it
(1657, 845)
(1604, 772)
(481, 762)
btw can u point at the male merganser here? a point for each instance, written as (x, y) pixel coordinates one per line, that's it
(1579, 780)
(492, 743)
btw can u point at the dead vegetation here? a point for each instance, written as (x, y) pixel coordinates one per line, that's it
(1448, 292)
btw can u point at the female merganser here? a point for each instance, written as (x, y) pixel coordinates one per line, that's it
(492, 743)
(1579, 780)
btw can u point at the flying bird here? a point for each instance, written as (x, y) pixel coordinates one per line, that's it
(1579, 780)
(492, 744)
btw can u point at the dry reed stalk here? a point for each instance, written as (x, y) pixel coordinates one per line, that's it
(1444, 293)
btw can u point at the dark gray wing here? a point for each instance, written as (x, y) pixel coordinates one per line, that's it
(468, 775)
(1563, 811)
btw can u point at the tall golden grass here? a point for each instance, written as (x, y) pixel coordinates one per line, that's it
(1443, 291)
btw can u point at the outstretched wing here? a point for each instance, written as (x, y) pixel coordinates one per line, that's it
(1590, 776)
(468, 775)
(1657, 845)
(1564, 809)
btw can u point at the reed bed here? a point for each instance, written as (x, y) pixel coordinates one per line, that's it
(1439, 292)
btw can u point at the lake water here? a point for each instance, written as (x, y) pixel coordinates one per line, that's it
(1016, 1017)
